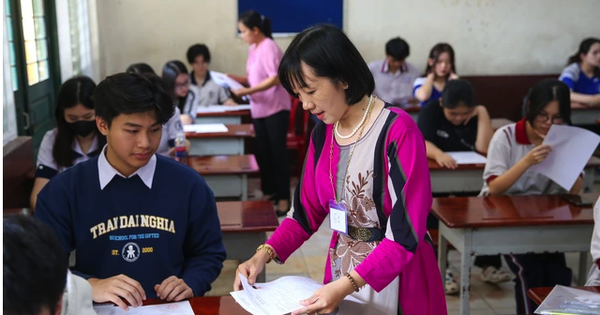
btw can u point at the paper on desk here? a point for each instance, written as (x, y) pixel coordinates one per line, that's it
(467, 157)
(565, 300)
(222, 108)
(205, 128)
(280, 296)
(177, 308)
(223, 80)
(572, 148)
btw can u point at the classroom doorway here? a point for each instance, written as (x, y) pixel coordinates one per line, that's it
(34, 65)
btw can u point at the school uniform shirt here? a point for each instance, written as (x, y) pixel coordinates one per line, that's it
(210, 93)
(394, 88)
(159, 222)
(578, 81)
(169, 133)
(46, 164)
(263, 63)
(507, 147)
(445, 135)
(435, 94)
(594, 274)
(192, 101)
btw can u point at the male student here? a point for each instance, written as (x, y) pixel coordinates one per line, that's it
(394, 76)
(143, 225)
(211, 93)
(36, 277)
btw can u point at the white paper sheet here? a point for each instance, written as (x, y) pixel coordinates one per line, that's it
(565, 300)
(177, 308)
(222, 108)
(223, 80)
(467, 157)
(280, 296)
(572, 148)
(205, 128)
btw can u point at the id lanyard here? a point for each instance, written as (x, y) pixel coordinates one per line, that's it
(338, 211)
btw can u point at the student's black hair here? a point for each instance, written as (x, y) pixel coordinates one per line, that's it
(328, 51)
(140, 68)
(35, 267)
(170, 71)
(77, 90)
(435, 53)
(128, 93)
(544, 92)
(198, 50)
(584, 48)
(252, 19)
(457, 92)
(398, 48)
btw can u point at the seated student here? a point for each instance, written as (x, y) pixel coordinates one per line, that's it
(36, 274)
(454, 123)
(440, 68)
(582, 74)
(210, 93)
(393, 75)
(173, 127)
(143, 225)
(594, 274)
(513, 150)
(186, 96)
(75, 138)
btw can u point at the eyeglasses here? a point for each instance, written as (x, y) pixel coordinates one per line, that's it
(542, 118)
(182, 85)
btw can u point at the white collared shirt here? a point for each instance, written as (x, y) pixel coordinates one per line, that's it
(106, 172)
(395, 88)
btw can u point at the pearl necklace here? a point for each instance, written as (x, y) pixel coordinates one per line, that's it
(362, 121)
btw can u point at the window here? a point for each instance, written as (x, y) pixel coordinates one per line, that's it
(9, 81)
(36, 45)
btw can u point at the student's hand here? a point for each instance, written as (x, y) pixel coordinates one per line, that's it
(173, 289)
(326, 299)
(115, 288)
(186, 119)
(431, 75)
(230, 102)
(537, 155)
(478, 109)
(446, 161)
(250, 269)
(242, 91)
(453, 76)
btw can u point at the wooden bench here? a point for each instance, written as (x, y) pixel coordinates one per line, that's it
(538, 295)
(226, 175)
(18, 172)
(230, 142)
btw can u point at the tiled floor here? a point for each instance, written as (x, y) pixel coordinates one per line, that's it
(309, 261)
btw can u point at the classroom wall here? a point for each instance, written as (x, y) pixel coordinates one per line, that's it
(490, 37)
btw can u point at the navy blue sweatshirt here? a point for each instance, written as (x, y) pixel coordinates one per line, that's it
(127, 228)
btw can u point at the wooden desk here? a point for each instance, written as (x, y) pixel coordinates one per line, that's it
(469, 177)
(220, 143)
(511, 224)
(538, 295)
(230, 116)
(585, 116)
(226, 175)
(213, 305)
(498, 123)
(244, 225)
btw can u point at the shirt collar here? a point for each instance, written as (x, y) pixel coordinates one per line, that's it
(107, 172)
(92, 151)
(521, 132)
(193, 78)
(386, 67)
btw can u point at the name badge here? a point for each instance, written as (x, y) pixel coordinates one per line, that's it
(338, 216)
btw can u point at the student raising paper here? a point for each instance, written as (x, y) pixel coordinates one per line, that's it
(513, 150)
(440, 68)
(454, 123)
(75, 138)
(142, 225)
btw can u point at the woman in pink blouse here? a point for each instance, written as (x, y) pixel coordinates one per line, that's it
(269, 105)
(366, 169)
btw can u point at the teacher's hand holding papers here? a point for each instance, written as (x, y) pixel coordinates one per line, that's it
(327, 298)
(251, 269)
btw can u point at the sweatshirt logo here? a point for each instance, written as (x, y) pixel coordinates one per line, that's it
(133, 221)
(130, 252)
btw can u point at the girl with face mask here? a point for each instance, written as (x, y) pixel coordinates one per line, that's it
(75, 138)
